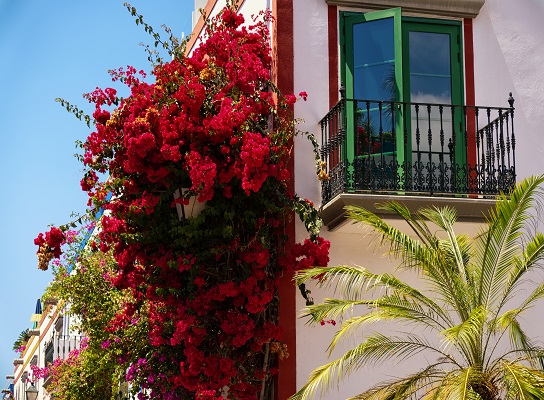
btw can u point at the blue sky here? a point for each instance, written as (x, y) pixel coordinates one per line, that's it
(49, 49)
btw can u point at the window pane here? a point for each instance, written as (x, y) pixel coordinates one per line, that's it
(430, 67)
(374, 60)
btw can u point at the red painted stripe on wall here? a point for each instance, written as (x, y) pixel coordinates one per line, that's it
(283, 75)
(333, 55)
(470, 96)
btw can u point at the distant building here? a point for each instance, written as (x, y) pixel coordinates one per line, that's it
(50, 338)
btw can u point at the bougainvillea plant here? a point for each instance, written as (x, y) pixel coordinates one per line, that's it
(209, 127)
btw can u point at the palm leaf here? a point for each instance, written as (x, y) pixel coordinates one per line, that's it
(498, 247)
(371, 351)
(429, 259)
(386, 308)
(350, 279)
(532, 257)
(469, 282)
(467, 336)
(403, 388)
(458, 385)
(330, 309)
(519, 340)
(409, 250)
(521, 382)
(22, 340)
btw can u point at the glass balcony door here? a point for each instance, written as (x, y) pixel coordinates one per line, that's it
(388, 58)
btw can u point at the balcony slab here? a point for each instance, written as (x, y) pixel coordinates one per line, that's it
(468, 209)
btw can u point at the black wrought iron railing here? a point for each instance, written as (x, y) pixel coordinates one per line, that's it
(60, 346)
(417, 148)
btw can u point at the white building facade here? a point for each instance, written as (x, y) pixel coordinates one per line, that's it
(50, 338)
(411, 72)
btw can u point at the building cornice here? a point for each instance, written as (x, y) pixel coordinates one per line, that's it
(444, 8)
(201, 23)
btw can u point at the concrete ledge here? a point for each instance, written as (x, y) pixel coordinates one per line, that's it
(468, 209)
(443, 8)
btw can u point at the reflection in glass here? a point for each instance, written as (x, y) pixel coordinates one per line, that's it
(430, 67)
(373, 59)
(430, 83)
(374, 79)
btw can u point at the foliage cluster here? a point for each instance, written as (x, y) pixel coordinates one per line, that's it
(190, 301)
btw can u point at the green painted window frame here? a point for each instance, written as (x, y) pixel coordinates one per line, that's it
(454, 30)
(347, 20)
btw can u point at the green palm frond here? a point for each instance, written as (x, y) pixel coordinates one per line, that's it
(457, 385)
(508, 322)
(520, 342)
(499, 245)
(375, 349)
(415, 222)
(22, 340)
(403, 388)
(411, 251)
(467, 336)
(444, 218)
(463, 388)
(415, 254)
(521, 382)
(355, 281)
(387, 310)
(533, 256)
(330, 309)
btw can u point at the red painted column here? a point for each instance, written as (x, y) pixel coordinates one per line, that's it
(470, 96)
(283, 75)
(333, 55)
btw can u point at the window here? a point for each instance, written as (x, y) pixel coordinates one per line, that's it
(402, 75)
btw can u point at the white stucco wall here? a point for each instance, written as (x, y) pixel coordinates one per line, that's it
(313, 340)
(311, 69)
(509, 57)
(312, 76)
(196, 13)
(253, 7)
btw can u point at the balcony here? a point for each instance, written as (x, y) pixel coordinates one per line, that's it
(415, 153)
(60, 346)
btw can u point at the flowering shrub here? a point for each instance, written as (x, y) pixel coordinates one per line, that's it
(96, 368)
(38, 373)
(201, 290)
(83, 374)
(19, 346)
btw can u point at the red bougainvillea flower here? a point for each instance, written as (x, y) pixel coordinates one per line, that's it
(49, 246)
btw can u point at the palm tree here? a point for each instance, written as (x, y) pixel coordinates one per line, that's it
(22, 340)
(470, 309)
